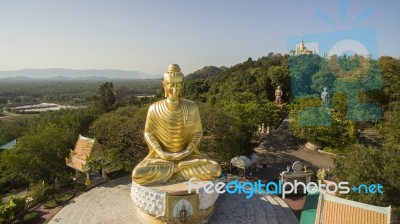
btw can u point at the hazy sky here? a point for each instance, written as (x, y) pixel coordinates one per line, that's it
(149, 35)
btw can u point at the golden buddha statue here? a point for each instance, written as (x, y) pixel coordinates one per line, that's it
(173, 133)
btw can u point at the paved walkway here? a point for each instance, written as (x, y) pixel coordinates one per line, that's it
(111, 203)
(369, 137)
(282, 149)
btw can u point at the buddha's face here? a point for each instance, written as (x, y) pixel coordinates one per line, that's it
(173, 88)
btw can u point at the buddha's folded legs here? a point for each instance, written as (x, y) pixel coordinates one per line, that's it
(199, 168)
(200, 172)
(153, 171)
(159, 171)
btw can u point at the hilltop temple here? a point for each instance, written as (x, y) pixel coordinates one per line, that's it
(301, 49)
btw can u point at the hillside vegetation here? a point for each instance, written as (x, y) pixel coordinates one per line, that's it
(232, 102)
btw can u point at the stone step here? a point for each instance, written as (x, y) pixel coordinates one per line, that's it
(235, 208)
(280, 213)
(270, 215)
(232, 208)
(259, 212)
(289, 213)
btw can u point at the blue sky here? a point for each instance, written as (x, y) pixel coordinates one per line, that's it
(149, 35)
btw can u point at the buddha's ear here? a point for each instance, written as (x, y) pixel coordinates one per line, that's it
(182, 87)
(165, 89)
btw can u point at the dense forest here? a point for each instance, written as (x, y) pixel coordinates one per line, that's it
(233, 102)
(68, 91)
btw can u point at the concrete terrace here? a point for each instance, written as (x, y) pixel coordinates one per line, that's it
(111, 203)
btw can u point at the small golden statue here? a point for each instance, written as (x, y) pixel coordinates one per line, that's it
(278, 95)
(173, 133)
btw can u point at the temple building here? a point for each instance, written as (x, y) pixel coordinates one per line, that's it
(301, 49)
(78, 157)
(324, 208)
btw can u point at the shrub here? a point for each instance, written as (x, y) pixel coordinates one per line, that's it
(57, 200)
(38, 191)
(52, 203)
(88, 182)
(64, 197)
(334, 150)
(13, 207)
(41, 191)
(5, 213)
(395, 215)
(321, 174)
(17, 204)
(79, 186)
(50, 191)
(31, 217)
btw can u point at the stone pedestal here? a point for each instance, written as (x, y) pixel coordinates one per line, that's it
(302, 176)
(172, 203)
(297, 175)
(312, 147)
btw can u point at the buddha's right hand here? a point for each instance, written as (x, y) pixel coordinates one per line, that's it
(164, 155)
(172, 156)
(167, 155)
(181, 155)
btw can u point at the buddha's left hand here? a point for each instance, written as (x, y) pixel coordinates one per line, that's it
(183, 154)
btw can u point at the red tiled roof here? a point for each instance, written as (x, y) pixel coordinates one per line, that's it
(82, 150)
(333, 210)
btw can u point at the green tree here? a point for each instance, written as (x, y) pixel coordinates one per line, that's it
(224, 136)
(302, 69)
(249, 111)
(336, 134)
(40, 156)
(120, 137)
(12, 130)
(250, 76)
(280, 76)
(105, 99)
(362, 165)
(40, 152)
(390, 70)
(196, 89)
(322, 78)
(389, 128)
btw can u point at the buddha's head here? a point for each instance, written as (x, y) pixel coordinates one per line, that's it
(173, 83)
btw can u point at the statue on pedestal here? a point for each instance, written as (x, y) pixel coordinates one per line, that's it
(325, 97)
(173, 132)
(278, 95)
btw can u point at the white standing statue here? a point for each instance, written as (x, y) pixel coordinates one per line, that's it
(325, 97)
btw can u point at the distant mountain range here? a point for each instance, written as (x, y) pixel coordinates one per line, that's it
(61, 73)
